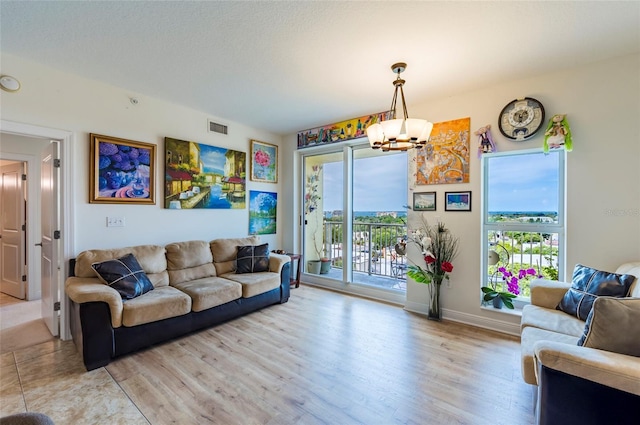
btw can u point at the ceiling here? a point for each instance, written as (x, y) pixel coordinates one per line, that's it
(290, 66)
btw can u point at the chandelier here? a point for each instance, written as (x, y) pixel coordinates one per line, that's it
(397, 134)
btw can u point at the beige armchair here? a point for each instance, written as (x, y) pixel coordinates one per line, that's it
(583, 384)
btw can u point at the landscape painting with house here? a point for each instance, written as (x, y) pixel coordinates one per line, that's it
(203, 176)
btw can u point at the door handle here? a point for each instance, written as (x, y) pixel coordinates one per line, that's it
(38, 244)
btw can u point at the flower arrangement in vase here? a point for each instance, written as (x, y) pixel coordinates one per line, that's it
(439, 248)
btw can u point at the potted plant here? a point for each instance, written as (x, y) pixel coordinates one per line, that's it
(313, 266)
(325, 265)
(499, 298)
(312, 202)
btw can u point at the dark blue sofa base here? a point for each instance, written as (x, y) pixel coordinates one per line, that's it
(565, 399)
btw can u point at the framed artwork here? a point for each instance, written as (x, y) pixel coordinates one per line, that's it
(457, 201)
(264, 162)
(203, 176)
(340, 131)
(424, 201)
(122, 171)
(446, 157)
(262, 212)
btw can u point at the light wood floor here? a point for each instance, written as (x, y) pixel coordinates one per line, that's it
(321, 358)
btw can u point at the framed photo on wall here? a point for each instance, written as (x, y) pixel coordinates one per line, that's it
(122, 171)
(424, 201)
(264, 162)
(457, 201)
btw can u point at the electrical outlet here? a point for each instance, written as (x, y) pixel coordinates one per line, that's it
(115, 221)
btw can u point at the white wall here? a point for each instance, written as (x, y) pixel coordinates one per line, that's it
(50, 98)
(602, 103)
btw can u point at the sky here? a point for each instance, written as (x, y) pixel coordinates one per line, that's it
(379, 184)
(527, 182)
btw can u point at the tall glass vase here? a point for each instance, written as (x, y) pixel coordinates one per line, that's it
(435, 313)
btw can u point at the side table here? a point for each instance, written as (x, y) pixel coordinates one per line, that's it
(298, 258)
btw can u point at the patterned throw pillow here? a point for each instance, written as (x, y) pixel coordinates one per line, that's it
(588, 284)
(124, 275)
(252, 258)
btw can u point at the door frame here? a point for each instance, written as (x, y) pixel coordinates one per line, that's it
(345, 285)
(66, 202)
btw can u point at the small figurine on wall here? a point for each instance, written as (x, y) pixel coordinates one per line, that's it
(558, 134)
(485, 141)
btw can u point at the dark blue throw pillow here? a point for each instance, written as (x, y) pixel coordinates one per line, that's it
(252, 259)
(124, 275)
(587, 284)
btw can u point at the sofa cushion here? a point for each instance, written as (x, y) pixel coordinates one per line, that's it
(587, 284)
(551, 320)
(613, 325)
(210, 292)
(255, 283)
(634, 269)
(224, 252)
(125, 275)
(252, 258)
(151, 258)
(161, 303)
(528, 338)
(188, 261)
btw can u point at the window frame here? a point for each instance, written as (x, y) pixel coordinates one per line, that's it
(486, 226)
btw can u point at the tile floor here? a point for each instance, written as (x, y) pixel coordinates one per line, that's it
(50, 378)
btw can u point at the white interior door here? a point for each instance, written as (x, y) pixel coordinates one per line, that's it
(12, 231)
(50, 237)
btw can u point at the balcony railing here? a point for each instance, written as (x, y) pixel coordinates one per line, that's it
(523, 250)
(374, 250)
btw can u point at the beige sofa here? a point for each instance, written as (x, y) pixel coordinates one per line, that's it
(194, 286)
(549, 340)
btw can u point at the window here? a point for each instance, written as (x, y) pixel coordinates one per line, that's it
(523, 218)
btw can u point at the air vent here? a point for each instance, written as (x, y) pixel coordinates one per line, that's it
(214, 127)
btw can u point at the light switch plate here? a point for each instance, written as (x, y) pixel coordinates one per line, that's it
(115, 221)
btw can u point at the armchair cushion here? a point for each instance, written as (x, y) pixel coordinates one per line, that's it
(588, 284)
(613, 325)
(124, 275)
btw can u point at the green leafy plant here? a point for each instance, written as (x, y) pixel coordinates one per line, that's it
(513, 286)
(490, 294)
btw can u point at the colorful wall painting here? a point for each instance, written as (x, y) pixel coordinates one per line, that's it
(122, 171)
(445, 158)
(262, 212)
(203, 176)
(338, 132)
(264, 162)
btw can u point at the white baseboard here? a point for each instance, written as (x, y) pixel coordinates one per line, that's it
(388, 296)
(468, 319)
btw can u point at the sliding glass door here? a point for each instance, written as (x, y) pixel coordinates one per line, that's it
(355, 217)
